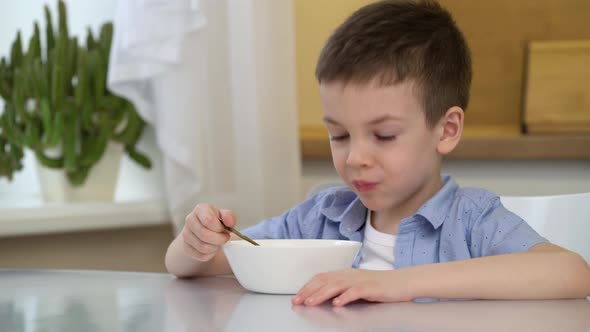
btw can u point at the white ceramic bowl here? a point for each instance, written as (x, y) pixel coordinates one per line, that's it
(284, 266)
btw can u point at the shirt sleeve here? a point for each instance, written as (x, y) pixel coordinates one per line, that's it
(499, 231)
(289, 225)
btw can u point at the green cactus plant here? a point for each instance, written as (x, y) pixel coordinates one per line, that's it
(58, 100)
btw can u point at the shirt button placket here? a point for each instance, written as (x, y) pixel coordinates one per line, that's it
(404, 245)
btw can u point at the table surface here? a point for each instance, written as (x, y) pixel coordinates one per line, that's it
(88, 301)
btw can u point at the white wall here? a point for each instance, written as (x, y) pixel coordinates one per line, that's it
(262, 66)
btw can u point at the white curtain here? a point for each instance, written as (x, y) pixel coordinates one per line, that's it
(216, 81)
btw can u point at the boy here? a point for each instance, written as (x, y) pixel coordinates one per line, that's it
(394, 84)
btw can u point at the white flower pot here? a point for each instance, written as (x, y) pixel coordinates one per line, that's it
(100, 184)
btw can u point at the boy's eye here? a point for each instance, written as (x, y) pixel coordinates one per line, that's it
(338, 137)
(385, 137)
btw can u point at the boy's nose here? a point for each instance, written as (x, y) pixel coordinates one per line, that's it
(358, 155)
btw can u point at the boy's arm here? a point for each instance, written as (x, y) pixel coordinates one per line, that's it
(179, 262)
(546, 271)
(198, 249)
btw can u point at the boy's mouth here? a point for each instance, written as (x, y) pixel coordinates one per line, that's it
(363, 186)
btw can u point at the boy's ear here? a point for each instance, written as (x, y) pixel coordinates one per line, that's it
(450, 128)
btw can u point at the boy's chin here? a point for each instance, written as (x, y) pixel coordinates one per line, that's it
(371, 202)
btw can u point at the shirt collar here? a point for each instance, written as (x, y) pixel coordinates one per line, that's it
(436, 209)
(347, 208)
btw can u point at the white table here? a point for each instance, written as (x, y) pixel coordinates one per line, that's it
(89, 301)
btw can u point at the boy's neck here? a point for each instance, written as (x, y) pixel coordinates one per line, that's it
(388, 220)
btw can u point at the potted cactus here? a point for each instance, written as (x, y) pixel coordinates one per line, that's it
(57, 105)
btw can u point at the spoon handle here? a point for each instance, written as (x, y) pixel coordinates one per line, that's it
(240, 235)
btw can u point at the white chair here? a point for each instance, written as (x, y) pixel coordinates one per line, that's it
(562, 219)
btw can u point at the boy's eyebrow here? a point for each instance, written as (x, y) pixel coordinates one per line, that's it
(380, 119)
(386, 117)
(330, 120)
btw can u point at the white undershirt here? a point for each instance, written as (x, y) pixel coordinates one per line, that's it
(377, 249)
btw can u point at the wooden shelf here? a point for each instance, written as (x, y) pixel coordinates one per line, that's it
(524, 147)
(505, 144)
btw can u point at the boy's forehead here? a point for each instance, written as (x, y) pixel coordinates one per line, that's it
(370, 104)
(403, 94)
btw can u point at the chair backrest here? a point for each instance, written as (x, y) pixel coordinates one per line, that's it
(562, 219)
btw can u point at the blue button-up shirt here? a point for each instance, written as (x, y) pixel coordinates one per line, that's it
(454, 224)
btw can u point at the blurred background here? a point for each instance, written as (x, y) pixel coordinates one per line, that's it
(232, 117)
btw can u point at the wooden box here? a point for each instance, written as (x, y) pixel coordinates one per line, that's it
(557, 95)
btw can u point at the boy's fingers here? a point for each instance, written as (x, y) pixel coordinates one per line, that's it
(208, 236)
(351, 294)
(228, 217)
(208, 216)
(307, 291)
(324, 293)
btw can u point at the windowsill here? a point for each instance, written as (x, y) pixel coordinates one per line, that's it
(55, 218)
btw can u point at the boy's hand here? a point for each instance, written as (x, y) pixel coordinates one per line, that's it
(349, 285)
(204, 233)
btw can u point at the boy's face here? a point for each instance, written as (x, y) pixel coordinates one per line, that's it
(381, 144)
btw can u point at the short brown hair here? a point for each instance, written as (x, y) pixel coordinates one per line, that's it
(393, 41)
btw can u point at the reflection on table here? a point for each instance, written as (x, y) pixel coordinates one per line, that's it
(47, 300)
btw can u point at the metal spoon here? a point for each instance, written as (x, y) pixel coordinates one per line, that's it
(240, 235)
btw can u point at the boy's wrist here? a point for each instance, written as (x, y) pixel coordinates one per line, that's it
(413, 282)
(418, 281)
